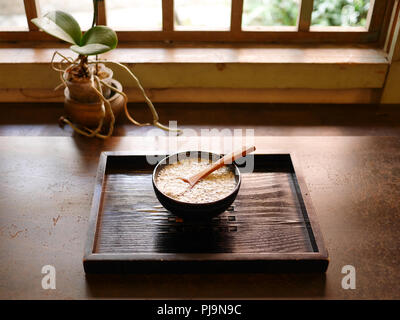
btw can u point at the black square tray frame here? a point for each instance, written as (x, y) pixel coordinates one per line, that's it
(155, 262)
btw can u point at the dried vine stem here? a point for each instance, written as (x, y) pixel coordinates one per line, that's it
(108, 109)
(147, 99)
(125, 104)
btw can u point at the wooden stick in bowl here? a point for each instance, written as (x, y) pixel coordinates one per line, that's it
(227, 159)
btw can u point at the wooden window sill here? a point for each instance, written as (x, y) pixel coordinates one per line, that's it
(273, 73)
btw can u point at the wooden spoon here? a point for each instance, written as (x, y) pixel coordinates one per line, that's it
(227, 159)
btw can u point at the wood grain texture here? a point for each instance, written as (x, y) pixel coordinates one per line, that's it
(41, 119)
(102, 13)
(394, 45)
(47, 184)
(267, 35)
(371, 10)
(390, 93)
(225, 74)
(223, 53)
(377, 25)
(270, 227)
(378, 15)
(168, 15)
(218, 75)
(32, 10)
(236, 15)
(387, 39)
(215, 95)
(266, 217)
(304, 19)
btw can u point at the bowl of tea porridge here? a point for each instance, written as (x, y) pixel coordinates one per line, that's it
(210, 196)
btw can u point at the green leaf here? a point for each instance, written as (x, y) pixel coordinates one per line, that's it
(100, 34)
(96, 40)
(61, 25)
(91, 49)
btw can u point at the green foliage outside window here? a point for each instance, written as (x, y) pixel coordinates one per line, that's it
(340, 12)
(325, 13)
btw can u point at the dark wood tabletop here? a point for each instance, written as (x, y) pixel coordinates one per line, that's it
(46, 188)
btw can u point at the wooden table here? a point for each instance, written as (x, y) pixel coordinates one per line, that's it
(47, 184)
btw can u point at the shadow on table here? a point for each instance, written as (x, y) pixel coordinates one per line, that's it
(207, 286)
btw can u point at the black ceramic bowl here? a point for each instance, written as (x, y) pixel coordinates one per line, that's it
(195, 210)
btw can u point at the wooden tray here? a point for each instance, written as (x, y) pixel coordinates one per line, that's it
(270, 227)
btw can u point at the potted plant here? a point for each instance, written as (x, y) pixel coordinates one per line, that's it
(93, 99)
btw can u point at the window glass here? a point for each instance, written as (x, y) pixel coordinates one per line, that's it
(202, 14)
(266, 13)
(134, 14)
(340, 13)
(12, 15)
(81, 10)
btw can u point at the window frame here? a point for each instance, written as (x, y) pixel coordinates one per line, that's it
(373, 33)
(376, 56)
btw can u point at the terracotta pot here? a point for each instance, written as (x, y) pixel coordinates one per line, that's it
(89, 113)
(83, 91)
